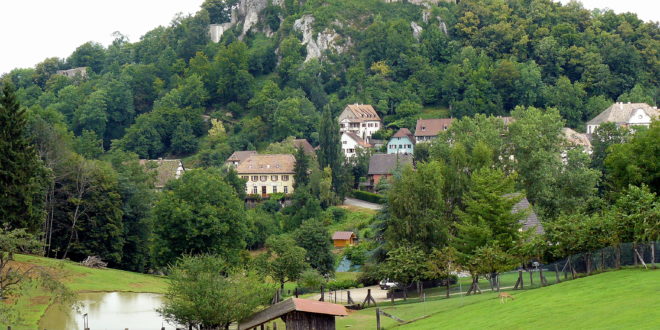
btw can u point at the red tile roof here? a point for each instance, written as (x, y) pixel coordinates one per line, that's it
(363, 111)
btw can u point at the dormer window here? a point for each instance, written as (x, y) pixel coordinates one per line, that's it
(423, 128)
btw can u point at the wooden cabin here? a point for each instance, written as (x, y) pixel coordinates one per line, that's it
(343, 238)
(297, 314)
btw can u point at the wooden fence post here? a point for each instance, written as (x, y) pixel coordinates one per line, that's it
(322, 294)
(377, 319)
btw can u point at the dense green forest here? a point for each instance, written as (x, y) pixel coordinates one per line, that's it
(70, 147)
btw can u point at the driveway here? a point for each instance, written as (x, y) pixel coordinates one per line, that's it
(357, 294)
(362, 204)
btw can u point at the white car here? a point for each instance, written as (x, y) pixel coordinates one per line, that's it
(387, 284)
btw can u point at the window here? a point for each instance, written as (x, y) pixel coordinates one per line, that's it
(285, 178)
(423, 128)
(274, 189)
(273, 178)
(263, 178)
(245, 177)
(344, 142)
(254, 190)
(255, 178)
(286, 189)
(364, 125)
(400, 146)
(341, 125)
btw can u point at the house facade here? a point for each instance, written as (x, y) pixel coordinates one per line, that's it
(343, 238)
(73, 73)
(402, 142)
(350, 142)
(381, 167)
(624, 115)
(267, 174)
(361, 119)
(428, 129)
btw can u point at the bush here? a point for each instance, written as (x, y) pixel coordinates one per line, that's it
(356, 254)
(370, 275)
(310, 280)
(338, 214)
(369, 196)
(341, 284)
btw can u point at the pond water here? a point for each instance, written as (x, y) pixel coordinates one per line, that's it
(108, 310)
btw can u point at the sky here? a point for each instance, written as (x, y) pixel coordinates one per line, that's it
(33, 30)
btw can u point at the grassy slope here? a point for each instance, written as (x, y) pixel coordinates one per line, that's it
(79, 278)
(624, 299)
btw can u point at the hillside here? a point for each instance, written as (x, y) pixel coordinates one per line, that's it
(625, 299)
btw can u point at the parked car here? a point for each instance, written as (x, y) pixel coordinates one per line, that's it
(387, 284)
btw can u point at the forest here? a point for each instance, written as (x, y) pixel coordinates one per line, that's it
(70, 146)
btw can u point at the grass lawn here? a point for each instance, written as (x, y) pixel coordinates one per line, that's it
(434, 112)
(79, 278)
(626, 299)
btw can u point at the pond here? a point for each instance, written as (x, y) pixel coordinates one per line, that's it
(108, 310)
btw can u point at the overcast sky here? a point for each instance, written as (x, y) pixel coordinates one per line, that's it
(33, 30)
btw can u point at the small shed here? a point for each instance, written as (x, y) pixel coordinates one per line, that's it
(298, 314)
(343, 238)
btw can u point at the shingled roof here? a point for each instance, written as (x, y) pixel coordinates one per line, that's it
(342, 235)
(166, 170)
(363, 111)
(575, 138)
(272, 164)
(292, 305)
(358, 140)
(620, 113)
(386, 163)
(305, 145)
(432, 127)
(239, 156)
(531, 221)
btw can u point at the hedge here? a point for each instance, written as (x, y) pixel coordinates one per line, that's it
(369, 196)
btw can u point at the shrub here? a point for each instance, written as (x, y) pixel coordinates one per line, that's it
(369, 196)
(338, 214)
(341, 284)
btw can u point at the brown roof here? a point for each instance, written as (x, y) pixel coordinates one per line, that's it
(575, 138)
(386, 163)
(363, 111)
(402, 132)
(358, 139)
(239, 156)
(276, 163)
(620, 113)
(305, 145)
(292, 305)
(342, 235)
(166, 170)
(432, 127)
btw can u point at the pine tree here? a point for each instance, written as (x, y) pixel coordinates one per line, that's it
(301, 169)
(330, 154)
(20, 168)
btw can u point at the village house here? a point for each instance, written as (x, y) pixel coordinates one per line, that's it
(428, 129)
(343, 238)
(381, 167)
(307, 147)
(267, 174)
(350, 142)
(624, 115)
(530, 221)
(402, 142)
(575, 139)
(165, 170)
(360, 119)
(73, 73)
(238, 156)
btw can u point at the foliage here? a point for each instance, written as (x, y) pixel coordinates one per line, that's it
(314, 237)
(199, 213)
(368, 196)
(205, 292)
(284, 261)
(20, 206)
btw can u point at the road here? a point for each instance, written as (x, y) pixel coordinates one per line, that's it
(361, 203)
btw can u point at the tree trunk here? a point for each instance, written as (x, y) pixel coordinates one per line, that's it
(497, 281)
(447, 284)
(405, 292)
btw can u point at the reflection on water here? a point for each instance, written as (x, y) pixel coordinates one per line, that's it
(108, 310)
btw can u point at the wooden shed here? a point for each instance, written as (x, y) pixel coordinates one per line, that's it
(297, 314)
(343, 238)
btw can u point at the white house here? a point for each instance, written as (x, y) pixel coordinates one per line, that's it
(350, 142)
(624, 115)
(360, 119)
